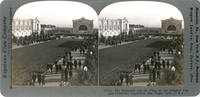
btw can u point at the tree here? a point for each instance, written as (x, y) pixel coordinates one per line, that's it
(114, 37)
(119, 37)
(21, 40)
(130, 34)
(102, 38)
(109, 39)
(14, 38)
(42, 34)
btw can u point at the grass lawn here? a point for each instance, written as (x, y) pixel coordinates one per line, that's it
(25, 57)
(70, 44)
(110, 58)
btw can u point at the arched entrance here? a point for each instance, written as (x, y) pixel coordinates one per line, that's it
(82, 29)
(171, 26)
(82, 25)
(171, 29)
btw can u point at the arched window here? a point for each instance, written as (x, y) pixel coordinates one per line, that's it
(82, 27)
(171, 27)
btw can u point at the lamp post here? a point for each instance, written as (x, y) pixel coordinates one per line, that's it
(85, 69)
(91, 52)
(173, 74)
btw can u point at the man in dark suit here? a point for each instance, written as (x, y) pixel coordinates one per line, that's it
(66, 74)
(70, 74)
(127, 78)
(64, 62)
(163, 63)
(51, 67)
(70, 65)
(56, 65)
(121, 78)
(139, 66)
(167, 64)
(39, 78)
(135, 67)
(144, 66)
(75, 63)
(154, 74)
(79, 63)
(66, 53)
(70, 53)
(34, 77)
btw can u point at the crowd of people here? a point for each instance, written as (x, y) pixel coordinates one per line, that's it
(40, 78)
(153, 68)
(64, 66)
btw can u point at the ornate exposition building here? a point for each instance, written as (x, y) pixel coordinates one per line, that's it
(82, 26)
(111, 27)
(22, 27)
(169, 26)
(172, 25)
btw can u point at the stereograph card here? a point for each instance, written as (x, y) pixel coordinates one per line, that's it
(100, 48)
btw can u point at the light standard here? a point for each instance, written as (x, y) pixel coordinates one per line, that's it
(173, 74)
(85, 69)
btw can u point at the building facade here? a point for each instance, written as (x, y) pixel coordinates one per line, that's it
(169, 26)
(82, 26)
(111, 27)
(22, 27)
(172, 26)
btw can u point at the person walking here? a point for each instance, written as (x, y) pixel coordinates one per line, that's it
(51, 67)
(75, 63)
(64, 62)
(119, 83)
(70, 53)
(163, 63)
(70, 74)
(131, 79)
(139, 66)
(167, 64)
(159, 65)
(154, 74)
(79, 64)
(56, 65)
(121, 77)
(135, 67)
(83, 51)
(66, 74)
(144, 66)
(80, 50)
(43, 78)
(70, 65)
(66, 53)
(34, 77)
(39, 78)
(62, 74)
(127, 79)
(150, 75)
(48, 66)
(158, 74)
(70, 58)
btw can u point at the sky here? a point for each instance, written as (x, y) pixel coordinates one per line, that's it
(147, 13)
(61, 13)
(58, 13)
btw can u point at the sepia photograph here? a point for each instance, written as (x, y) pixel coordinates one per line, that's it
(103, 48)
(141, 43)
(55, 43)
